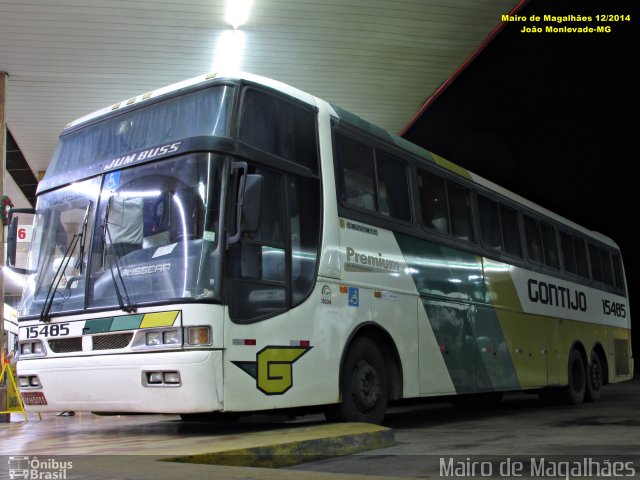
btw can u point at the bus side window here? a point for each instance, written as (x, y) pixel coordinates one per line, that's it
(596, 266)
(550, 245)
(356, 161)
(393, 187)
(433, 202)
(490, 223)
(510, 231)
(279, 127)
(534, 239)
(607, 273)
(460, 209)
(568, 255)
(617, 271)
(582, 264)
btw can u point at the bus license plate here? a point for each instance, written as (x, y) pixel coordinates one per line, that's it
(33, 398)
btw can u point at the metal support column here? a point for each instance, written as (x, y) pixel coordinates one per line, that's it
(3, 166)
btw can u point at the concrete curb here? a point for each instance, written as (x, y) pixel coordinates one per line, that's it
(288, 447)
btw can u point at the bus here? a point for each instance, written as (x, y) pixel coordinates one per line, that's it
(231, 244)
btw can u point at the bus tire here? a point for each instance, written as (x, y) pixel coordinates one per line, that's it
(574, 392)
(595, 379)
(363, 385)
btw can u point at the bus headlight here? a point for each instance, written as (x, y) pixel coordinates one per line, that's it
(32, 348)
(157, 339)
(199, 336)
(171, 337)
(153, 339)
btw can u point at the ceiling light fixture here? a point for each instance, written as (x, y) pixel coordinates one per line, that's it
(238, 12)
(229, 51)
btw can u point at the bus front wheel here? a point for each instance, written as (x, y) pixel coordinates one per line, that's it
(574, 392)
(363, 384)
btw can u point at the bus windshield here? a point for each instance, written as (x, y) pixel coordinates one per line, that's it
(204, 112)
(55, 257)
(152, 238)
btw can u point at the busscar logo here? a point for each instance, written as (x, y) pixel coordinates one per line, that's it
(273, 368)
(146, 270)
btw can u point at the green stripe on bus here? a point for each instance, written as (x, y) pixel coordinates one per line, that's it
(464, 322)
(98, 325)
(129, 322)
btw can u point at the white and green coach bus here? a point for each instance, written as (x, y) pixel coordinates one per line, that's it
(233, 244)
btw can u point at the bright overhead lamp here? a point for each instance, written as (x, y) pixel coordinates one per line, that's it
(238, 12)
(229, 51)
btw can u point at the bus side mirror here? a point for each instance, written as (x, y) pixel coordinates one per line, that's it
(12, 238)
(252, 203)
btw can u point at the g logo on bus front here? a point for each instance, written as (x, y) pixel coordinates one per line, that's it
(273, 368)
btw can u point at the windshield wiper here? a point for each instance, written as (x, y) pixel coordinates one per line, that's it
(123, 300)
(78, 238)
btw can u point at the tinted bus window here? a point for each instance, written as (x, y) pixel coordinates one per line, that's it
(617, 271)
(433, 200)
(594, 258)
(393, 187)
(280, 128)
(568, 256)
(534, 239)
(460, 209)
(607, 272)
(510, 231)
(489, 223)
(372, 179)
(582, 264)
(550, 245)
(358, 173)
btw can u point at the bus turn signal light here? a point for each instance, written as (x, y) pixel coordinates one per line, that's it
(199, 335)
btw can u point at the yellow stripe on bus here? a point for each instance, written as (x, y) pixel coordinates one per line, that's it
(443, 162)
(159, 319)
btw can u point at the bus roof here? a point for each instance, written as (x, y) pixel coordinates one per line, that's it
(191, 82)
(348, 118)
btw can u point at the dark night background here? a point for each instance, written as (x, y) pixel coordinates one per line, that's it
(555, 118)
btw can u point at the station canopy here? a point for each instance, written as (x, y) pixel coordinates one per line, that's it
(379, 59)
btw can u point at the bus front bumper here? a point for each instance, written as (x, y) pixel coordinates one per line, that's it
(123, 383)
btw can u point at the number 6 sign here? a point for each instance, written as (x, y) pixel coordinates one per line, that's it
(24, 233)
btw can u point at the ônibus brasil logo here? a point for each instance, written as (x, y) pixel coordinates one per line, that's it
(33, 468)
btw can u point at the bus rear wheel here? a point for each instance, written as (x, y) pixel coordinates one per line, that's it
(363, 384)
(595, 379)
(574, 392)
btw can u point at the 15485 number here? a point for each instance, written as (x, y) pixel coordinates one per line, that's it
(53, 330)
